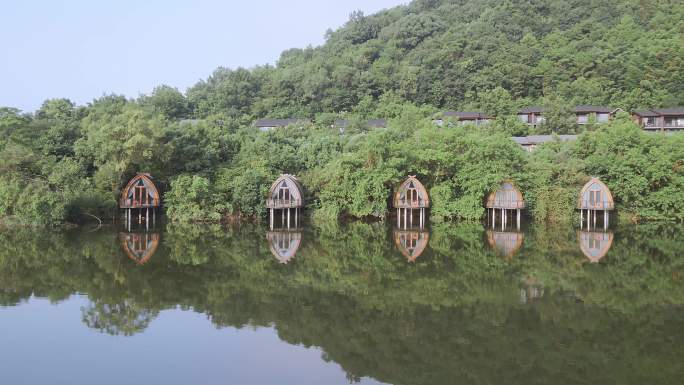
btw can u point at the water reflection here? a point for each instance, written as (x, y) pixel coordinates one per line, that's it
(284, 244)
(459, 311)
(411, 243)
(139, 247)
(506, 243)
(595, 244)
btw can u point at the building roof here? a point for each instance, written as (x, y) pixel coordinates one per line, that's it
(280, 122)
(539, 139)
(587, 108)
(466, 115)
(645, 113)
(532, 110)
(670, 111)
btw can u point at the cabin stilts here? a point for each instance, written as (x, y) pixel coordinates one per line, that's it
(411, 195)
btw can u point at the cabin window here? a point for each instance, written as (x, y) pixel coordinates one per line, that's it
(539, 119)
(602, 117)
(582, 118)
(524, 118)
(674, 121)
(595, 197)
(650, 121)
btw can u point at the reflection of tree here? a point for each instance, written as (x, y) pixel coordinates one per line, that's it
(124, 318)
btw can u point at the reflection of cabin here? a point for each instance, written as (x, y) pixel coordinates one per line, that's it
(507, 199)
(595, 244)
(411, 243)
(141, 195)
(506, 243)
(285, 195)
(284, 244)
(139, 246)
(411, 195)
(595, 198)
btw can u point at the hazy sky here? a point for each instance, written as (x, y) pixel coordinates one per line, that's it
(82, 49)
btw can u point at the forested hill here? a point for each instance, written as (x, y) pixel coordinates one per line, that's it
(459, 54)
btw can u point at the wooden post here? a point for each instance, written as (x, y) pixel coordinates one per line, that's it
(404, 217)
(411, 217)
(518, 219)
(398, 217)
(296, 217)
(605, 219)
(288, 218)
(271, 219)
(503, 219)
(147, 218)
(581, 219)
(139, 216)
(493, 218)
(129, 220)
(594, 218)
(282, 218)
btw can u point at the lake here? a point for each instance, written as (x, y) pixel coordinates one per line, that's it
(342, 303)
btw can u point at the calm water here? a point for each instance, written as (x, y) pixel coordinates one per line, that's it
(337, 304)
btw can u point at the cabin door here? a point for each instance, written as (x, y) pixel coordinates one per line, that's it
(594, 198)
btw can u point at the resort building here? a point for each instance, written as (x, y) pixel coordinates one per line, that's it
(271, 124)
(342, 124)
(532, 115)
(595, 198)
(599, 114)
(507, 199)
(664, 119)
(463, 118)
(140, 196)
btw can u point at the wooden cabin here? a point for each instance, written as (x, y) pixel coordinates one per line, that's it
(139, 247)
(506, 243)
(530, 143)
(138, 197)
(411, 195)
(532, 116)
(411, 243)
(272, 124)
(284, 244)
(595, 244)
(599, 114)
(285, 195)
(596, 198)
(507, 199)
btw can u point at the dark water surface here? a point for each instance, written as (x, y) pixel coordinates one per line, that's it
(455, 304)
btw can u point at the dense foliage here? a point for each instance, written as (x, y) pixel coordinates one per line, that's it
(65, 163)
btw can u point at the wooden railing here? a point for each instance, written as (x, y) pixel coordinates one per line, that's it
(282, 203)
(603, 205)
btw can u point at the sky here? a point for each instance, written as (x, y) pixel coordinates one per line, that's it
(83, 49)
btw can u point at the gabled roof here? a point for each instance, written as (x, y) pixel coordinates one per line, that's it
(532, 110)
(280, 122)
(466, 115)
(588, 109)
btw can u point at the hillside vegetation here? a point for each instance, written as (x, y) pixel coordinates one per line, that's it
(404, 64)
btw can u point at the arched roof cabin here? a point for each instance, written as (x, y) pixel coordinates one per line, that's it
(595, 195)
(285, 192)
(411, 194)
(507, 196)
(284, 244)
(140, 192)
